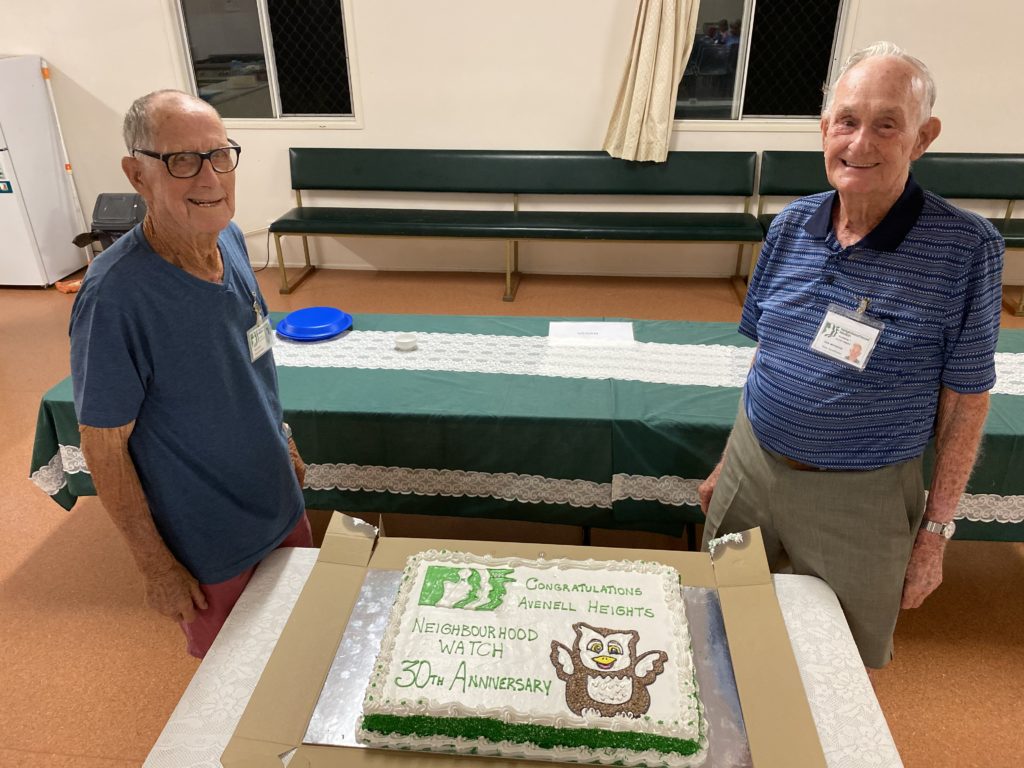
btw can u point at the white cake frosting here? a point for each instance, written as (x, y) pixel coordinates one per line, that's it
(566, 660)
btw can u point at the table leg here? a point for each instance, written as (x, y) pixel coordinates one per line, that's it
(691, 537)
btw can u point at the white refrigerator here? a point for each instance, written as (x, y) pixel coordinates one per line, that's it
(39, 209)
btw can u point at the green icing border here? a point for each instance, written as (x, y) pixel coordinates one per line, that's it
(544, 736)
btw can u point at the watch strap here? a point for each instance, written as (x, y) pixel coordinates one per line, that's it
(942, 529)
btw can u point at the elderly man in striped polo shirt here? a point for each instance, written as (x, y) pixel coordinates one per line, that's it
(826, 452)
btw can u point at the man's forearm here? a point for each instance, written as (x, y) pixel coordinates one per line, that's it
(297, 463)
(958, 430)
(120, 491)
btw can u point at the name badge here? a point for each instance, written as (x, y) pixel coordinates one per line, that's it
(846, 336)
(260, 339)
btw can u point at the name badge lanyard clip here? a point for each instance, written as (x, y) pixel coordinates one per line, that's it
(848, 336)
(260, 337)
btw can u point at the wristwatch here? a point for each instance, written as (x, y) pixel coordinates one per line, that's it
(945, 530)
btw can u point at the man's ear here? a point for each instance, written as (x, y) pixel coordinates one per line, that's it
(926, 134)
(133, 170)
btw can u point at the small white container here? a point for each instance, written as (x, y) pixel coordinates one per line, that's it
(405, 342)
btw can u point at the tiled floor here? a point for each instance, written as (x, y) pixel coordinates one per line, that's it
(88, 676)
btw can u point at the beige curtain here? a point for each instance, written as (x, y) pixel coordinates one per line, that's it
(642, 121)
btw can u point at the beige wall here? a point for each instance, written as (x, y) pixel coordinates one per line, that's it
(462, 74)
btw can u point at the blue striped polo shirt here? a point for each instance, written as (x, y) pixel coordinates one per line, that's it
(932, 273)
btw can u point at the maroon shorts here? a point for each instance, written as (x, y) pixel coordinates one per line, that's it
(222, 596)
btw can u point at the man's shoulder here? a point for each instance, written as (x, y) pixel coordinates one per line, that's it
(791, 222)
(939, 212)
(122, 262)
(125, 279)
(232, 233)
(801, 209)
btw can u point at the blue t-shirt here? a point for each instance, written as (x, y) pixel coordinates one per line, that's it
(932, 274)
(154, 344)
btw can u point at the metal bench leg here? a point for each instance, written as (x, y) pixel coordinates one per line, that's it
(280, 264)
(511, 270)
(307, 270)
(1015, 307)
(739, 283)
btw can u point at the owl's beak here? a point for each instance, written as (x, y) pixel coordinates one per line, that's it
(604, 661)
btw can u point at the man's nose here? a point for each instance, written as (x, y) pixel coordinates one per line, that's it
(861, 137)
(206, 171)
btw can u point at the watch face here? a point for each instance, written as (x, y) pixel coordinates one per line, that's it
(949, 530)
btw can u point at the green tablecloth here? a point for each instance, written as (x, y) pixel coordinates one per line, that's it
(607, 452)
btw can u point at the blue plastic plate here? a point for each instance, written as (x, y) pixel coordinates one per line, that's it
(314, 324)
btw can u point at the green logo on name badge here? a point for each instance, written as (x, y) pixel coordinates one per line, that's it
(470, 589)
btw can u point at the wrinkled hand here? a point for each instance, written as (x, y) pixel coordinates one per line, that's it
(174, 593)
(706, 489)
(297, 463)
(924, 571)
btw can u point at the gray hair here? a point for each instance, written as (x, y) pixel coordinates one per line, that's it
(138, 121)
(923, 81)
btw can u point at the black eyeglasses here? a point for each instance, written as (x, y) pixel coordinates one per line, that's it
(185, 165)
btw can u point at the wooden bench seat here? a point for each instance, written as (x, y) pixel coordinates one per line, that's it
(511, 174)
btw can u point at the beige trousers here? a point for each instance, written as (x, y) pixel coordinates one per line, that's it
(854, 530)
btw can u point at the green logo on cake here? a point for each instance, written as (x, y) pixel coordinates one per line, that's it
(471, 589)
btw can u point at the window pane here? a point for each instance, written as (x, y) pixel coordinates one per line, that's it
(309, 53)
(227, 56)
(708, 87)
(789, 57)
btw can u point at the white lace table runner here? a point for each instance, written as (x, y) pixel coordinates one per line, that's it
(684, 364)
(708, 365)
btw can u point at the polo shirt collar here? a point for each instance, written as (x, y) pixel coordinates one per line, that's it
(891, 230)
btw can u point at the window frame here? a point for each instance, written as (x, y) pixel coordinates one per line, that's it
(842, 42)
(279, 121)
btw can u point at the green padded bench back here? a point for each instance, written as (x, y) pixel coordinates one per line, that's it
(501, 171)
(972, 175)
(967, 175)
(793, 174)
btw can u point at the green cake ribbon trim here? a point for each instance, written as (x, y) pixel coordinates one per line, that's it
(544, 736)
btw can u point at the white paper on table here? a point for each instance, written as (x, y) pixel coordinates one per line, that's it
(590, 333)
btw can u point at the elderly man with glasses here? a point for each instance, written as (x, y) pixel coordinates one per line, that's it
(174, 381)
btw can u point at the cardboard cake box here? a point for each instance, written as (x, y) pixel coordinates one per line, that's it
(778, 720)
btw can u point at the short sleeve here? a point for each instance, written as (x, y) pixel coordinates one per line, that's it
(107, 378)
(971, 336)
(751, 309)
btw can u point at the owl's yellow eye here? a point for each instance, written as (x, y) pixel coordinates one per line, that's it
(614, 648)
(595, 646)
